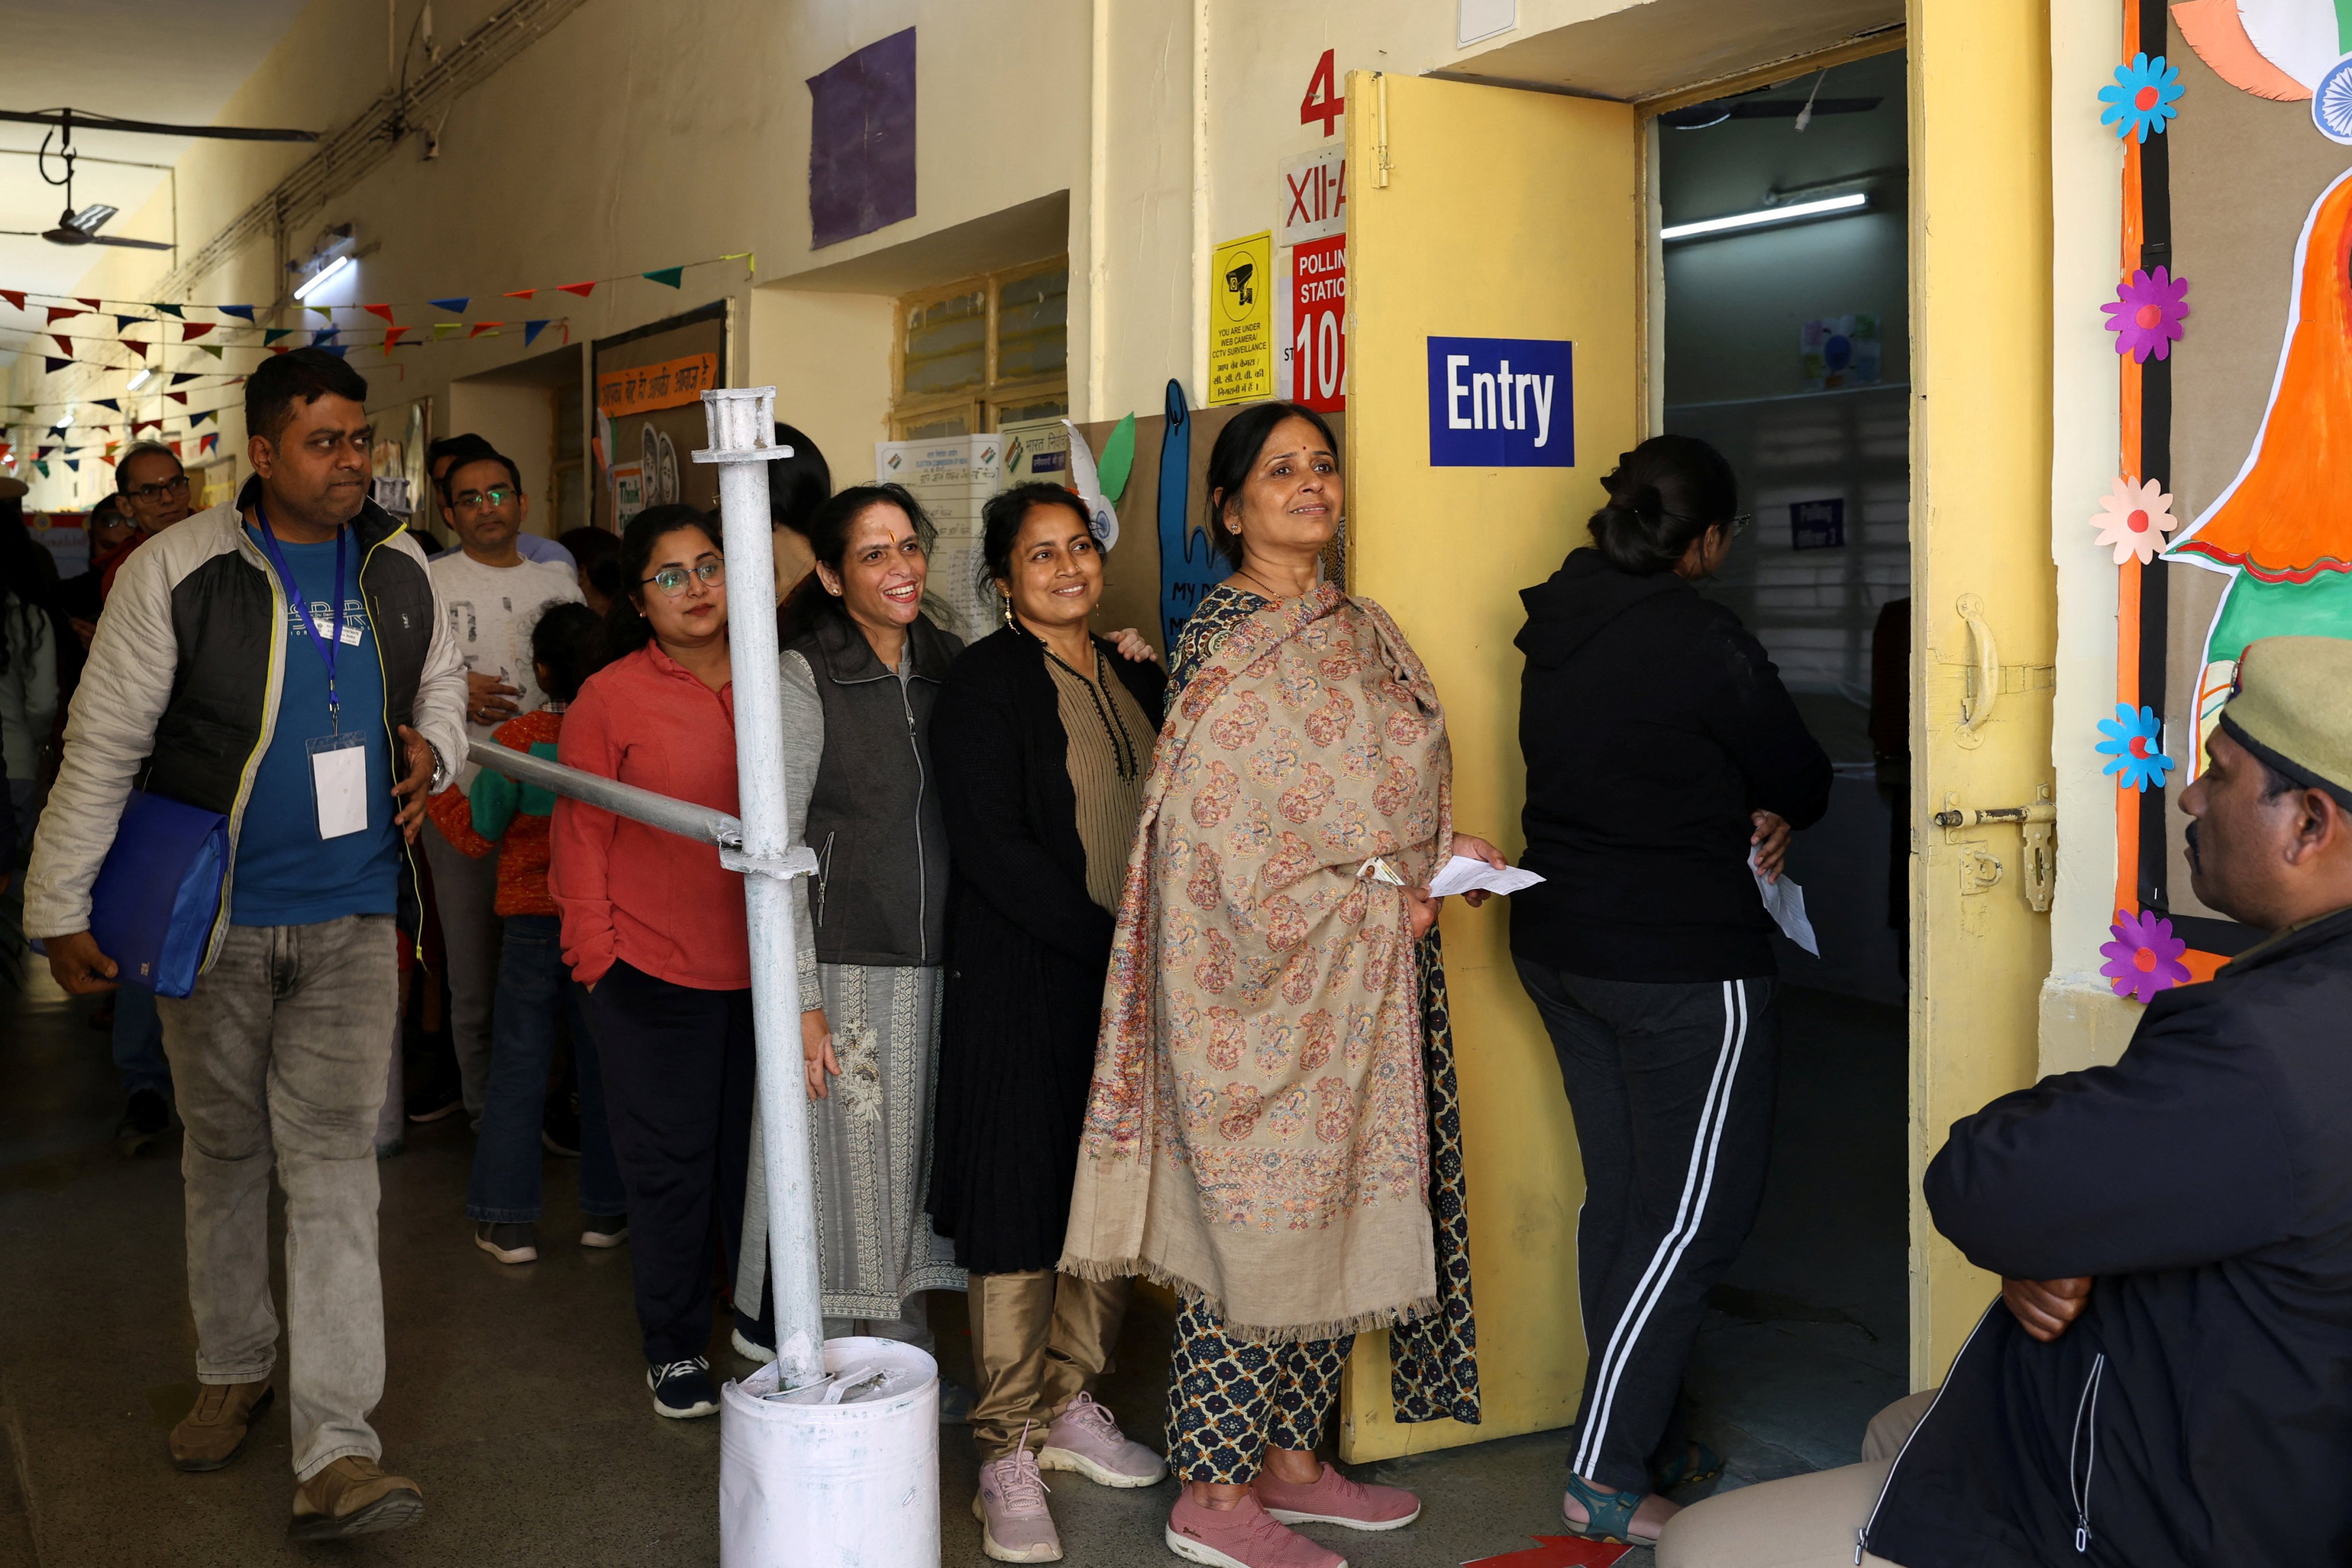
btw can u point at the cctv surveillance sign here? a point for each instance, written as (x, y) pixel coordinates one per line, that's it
(1501, 403)
(1241, 320)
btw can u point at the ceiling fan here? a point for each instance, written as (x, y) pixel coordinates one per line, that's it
(80, 227)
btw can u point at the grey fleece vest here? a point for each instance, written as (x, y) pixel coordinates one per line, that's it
(874, 819)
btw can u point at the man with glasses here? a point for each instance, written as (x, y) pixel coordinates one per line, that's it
(492, 597)
(277, 660)
(154, 491)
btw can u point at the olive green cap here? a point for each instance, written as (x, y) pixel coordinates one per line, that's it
(2292, 706)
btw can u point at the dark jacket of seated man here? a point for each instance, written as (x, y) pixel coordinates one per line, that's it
(2198, 1410)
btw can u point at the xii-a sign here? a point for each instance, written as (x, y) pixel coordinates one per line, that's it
(1314, 195)
(1501, 403)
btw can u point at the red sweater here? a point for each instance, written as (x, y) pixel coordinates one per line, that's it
(661, 903)
(522, 852)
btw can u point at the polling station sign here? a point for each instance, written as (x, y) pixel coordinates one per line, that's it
(1502, 403)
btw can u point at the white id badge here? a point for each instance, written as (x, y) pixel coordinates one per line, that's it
(339, 784)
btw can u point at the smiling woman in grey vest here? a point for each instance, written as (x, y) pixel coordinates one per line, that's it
(861, 668)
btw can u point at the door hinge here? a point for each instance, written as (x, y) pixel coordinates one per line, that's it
(2038, 822)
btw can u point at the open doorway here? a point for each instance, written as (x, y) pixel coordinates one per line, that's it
(1786, 336)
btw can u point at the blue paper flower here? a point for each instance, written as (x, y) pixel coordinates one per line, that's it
(2142, 98)
(2132, 740)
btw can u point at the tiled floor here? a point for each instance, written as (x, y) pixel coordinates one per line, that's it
(516, 1402)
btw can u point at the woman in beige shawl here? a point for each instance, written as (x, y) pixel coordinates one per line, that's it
(1259, 1131)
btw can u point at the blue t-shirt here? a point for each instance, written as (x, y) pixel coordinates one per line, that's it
(285, 875)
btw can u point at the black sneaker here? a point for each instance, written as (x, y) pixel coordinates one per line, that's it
(508, 1243)
(683, 1389)
(603, 1230)
(433, 1102)
(145, 1120)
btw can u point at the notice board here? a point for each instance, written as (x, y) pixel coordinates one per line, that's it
(648, 416)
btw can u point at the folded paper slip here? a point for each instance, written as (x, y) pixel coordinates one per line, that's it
(157, 897)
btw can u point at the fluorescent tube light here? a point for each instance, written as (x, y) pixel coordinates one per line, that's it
(67, 423)
(139, 380)
(1769, 214)
(342, 264)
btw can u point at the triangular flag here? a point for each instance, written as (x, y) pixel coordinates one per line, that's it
(583, 289)
(64, 342)
(44, 451)
(447, 328)
(111, 446)
(105, 403)
(202, 415)
(179, 397)
(750, 260)
(167, 309)
(531, 330)
(93, 304)
(486, 329)
(122, 323)
(392, 338)
(108, 461)
(43, 467)
(668, 276)
(212, 349)
(59, 312)
(242, 312)
(180, 375)
(282, 348)
(324, 337)
(191, 330)
(338, 350)
(135, 347)
(14, 296)
(52, 364)
(383, 310)
(271, 335)
(522, 293)
(326, 311)
(139, 425)
(74, 463)
(211, 440)
(456, 307)
(176, 449)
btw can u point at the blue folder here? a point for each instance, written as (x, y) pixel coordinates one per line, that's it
(158, 895)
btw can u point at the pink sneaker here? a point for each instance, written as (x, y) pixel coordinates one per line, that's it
(1014, 1525)
(1085, 1438)
(1240, 1537)
(1336, 1499)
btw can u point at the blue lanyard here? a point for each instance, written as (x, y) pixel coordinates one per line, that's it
(326, 645)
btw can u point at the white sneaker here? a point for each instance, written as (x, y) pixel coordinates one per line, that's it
(749, 1350)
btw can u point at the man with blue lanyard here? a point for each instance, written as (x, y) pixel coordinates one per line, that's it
(278, 660)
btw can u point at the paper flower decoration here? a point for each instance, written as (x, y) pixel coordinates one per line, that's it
(2144, 957)
(2147, 314)
(2133, 519)
(2133, 740)
(2142, 98)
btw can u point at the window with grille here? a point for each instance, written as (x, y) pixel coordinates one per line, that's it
(983, 352)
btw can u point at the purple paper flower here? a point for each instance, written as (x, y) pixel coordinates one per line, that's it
(2147, 314)
(2142, 98)
(2144, 957)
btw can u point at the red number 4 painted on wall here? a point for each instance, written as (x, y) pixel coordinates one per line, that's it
(1330, 106)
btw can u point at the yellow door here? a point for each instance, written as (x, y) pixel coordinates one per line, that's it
(1503, 218)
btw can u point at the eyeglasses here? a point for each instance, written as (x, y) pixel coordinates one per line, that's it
(671, 580)
(178, 486)
(1738, 524)
(496, 496)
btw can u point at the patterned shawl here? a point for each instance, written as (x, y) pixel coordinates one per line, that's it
(1257, 1134)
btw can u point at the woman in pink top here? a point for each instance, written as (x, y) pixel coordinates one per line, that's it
(654, 927)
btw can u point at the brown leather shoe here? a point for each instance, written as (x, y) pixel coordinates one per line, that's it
(215, 1429)
(352, 1495)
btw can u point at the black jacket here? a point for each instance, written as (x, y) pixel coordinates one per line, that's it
(2203, 1399)
(1651, 723)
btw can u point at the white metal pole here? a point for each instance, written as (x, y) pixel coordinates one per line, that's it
(742, 421)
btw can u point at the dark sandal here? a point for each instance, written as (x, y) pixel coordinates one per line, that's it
(1608, 1516)
(1698, 1463)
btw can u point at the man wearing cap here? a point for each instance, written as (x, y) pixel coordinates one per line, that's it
(2166, 1378)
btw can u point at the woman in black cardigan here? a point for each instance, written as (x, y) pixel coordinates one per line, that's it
(1042, 737)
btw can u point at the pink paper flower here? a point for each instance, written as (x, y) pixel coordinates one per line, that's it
(2144, 957)
(2135, 518)
(2147, 314)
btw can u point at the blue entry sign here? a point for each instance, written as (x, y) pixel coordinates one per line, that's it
(1501, 403)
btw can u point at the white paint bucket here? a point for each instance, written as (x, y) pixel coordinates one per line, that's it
(853, 1484)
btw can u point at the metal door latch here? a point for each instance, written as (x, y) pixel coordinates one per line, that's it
(2039, 825)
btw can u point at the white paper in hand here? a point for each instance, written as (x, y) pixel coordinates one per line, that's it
(1462, 874)
(1785, 903)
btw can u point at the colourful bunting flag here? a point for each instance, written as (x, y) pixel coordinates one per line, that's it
(14, 296)
(531, 330)
(95, 304)
(447, 328)
(456, 307)
(180, 375)
(43, 467)
(64, 342)
(326, 311)
(338, 350)
(122, 323)
(202, 415)
(522, 293)
(171, 310)
(583, 289)
(108, 461)
(751, 261)
(74, 463)
(212, 349)
(105, 403)
(486, 329)
(212, 439)
(190, 331)
(176, 449)
(392, 337)
(59, 312)
(383, 310)
(44, 451)
(283, 348)
(139, 425)
(670, 277)
(52, 364)
(135, 347)
(271, 335)
(179, 397)
(244, 312)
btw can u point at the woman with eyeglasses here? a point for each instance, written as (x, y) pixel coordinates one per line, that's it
(862, 666)
(654, 926)
(1664, 759)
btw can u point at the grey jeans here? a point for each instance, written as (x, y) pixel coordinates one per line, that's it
(279, 1056)
(465, 893)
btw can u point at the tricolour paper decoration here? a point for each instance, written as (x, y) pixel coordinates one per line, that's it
(456, 307)
(271, 335)
(2146, 313)
(2144, 956)
(531, 330)
(212, 439)
(667, 276)
(191, 330)
(583, 289)
(2134, 519)
(383, 310)
(2134, 741)
(486, 329)
(167, 309)
(14, 297)
(242, 312)
(59, 312)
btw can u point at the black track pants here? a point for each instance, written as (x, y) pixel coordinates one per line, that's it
(1671, 1086)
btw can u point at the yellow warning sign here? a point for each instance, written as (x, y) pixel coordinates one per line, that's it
(1241, 320)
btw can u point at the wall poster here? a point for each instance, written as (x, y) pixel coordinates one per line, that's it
(649, 385)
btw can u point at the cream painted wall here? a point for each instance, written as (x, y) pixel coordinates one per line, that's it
(828, 356)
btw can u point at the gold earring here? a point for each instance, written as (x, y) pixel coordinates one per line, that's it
(1004, 606)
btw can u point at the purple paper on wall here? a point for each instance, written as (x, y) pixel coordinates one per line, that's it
(862, 141)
